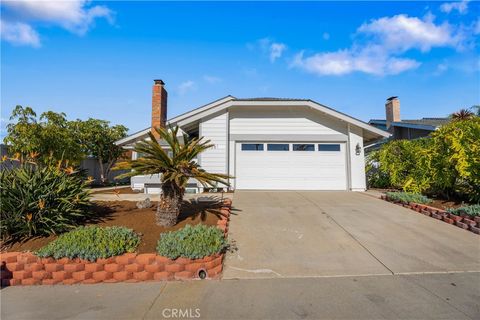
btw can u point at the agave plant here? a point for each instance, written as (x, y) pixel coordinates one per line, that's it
(176, 165)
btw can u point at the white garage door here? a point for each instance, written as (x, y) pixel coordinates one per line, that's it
(290, 166)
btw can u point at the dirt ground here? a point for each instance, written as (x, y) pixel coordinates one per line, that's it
(446, 204)
(142, 221)
(119, 190)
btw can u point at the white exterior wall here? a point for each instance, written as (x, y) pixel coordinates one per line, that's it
(357, 162)
(282, 120)
(215, 129)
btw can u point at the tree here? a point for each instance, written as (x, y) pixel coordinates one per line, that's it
(97, 139)
(53, 137)
(49, 136)
(462, 114)
(177, 165)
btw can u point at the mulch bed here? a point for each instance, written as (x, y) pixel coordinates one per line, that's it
(126, 214)
(119, 190)
(462, 221)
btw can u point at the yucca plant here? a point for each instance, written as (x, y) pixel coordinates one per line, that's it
(176, 165)
(41, 200)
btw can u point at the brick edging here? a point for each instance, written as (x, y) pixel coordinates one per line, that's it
(463, 222)
(18, 268)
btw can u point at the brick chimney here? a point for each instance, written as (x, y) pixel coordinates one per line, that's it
(159, 105)
(392, 111)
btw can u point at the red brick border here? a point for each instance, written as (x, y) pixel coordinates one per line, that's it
(465, 222)
(18, 268)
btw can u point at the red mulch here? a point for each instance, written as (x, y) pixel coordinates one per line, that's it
(126, 214)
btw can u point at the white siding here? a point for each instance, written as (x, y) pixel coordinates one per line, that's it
(357, 162)
(215, 128)
(282, 120)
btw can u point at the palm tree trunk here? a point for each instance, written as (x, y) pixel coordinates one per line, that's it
(169, 207)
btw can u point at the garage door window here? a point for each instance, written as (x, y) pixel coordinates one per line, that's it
(303, 147)
(328, 147)
(278, 147)
(252, 146)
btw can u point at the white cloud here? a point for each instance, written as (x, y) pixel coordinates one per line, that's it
(379, 45)
(274, 50)
(186, 87)
(403, 33)
(460, 6)
(212, 79)
(76, 16)
(476, 27)
(19, 33)
(367, 60)
(441, 68)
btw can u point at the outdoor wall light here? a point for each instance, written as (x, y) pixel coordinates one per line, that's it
(358, 149)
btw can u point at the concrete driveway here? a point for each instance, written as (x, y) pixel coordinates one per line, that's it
(314, 234)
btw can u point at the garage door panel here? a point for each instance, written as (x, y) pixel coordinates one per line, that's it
(291, 170)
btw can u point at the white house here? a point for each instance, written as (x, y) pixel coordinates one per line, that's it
(271, 143)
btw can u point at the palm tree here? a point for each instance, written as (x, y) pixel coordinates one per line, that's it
(176, 166)
(463, 114)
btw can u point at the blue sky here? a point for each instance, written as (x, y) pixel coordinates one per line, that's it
(99, 59)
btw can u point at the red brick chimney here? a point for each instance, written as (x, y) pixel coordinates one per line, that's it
(159, 105)
(392, 111)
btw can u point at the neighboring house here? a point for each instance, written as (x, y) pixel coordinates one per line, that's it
(405, 129)
(270, 143)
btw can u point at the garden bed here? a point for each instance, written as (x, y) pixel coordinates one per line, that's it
(19, 268)
(119, 190)
(142, 221)
(465, 222)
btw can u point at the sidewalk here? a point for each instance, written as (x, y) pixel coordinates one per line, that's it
(422, 296)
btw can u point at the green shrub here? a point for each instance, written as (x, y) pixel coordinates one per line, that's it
(447, 163)
(403, 161)
(91, 243)
(191, 242)
(406, 197)
(376, 178)
(38, 201)
(455, 158)
(472, 211)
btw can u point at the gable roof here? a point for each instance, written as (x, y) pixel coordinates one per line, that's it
(230, 101)
(423, 123)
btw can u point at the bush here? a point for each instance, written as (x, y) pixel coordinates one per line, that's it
(376, 178)
(472, 211)
(91, 243)
(407, 197)
(404, 161)
(455, 158)
(38, 201)
(191, 242)
(447, 163)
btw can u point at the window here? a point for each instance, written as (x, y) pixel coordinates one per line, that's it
(278, 147)
(303, 147)
(328, 147)
(252, 146)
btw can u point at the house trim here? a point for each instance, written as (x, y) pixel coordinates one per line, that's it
(290, 137)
